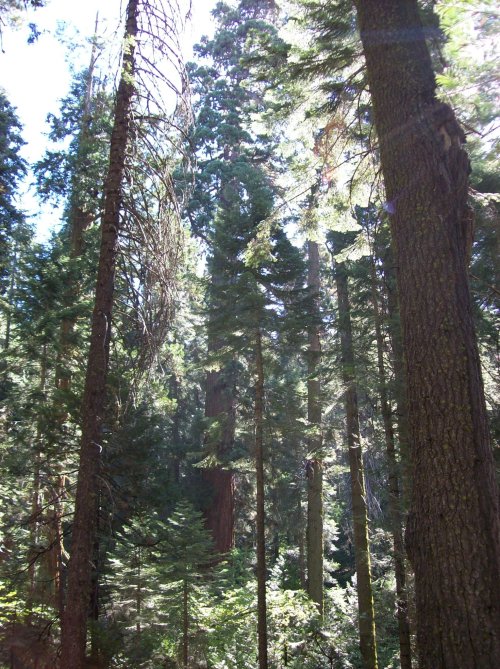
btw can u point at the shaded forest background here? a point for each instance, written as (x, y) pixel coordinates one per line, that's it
(238, 399)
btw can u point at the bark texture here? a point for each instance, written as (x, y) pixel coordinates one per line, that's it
(74, 622)
(367, 637)
(314, 464)
(219, 403)
(453, 533)
(260, 518)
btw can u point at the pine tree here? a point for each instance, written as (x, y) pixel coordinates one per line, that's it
(188, 552)
(137, 200)
(75, 174)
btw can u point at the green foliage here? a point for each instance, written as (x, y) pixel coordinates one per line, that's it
(14, 232)
(74, 173)
(285, 153)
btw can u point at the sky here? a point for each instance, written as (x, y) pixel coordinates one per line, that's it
(36, 76)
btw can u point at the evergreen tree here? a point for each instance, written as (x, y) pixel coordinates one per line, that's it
(214, 423)
(426, 180)
(366, 613)
(314, 465)
(14, 232)
(74, 621)
(229, 166)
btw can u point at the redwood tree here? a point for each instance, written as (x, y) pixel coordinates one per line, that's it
(230, 158)
(453, 533)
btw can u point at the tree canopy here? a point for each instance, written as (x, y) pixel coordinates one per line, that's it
(249, 385)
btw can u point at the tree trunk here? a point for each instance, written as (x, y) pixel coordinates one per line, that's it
(79, 220)
(367, 638)
(36, 506)
(138, 593)
(300, 540)
(260, 520)
(219, 403)
(94, 608)
(453, 533)
(74, 630)
(394, 327)
(185, 625)
(314, 464)
(394, 494)
(34, 528)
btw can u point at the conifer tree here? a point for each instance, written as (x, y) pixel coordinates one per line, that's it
(14, 232)
(73, 173)
(229, 160)
(453, 533)
(284, 134)
(314, 465)
(395, 501)
(74, 623)
(366, 614)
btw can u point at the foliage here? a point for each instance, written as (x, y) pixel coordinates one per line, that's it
(282, 151)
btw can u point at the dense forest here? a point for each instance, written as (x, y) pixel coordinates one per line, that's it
(248, 387)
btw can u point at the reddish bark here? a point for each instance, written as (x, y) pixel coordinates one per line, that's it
(74, 622)
(260, 515)
(220, 514)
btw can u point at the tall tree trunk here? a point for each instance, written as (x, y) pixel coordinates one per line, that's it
(453, 532)
(394, 494)
(394, 328)
(36, 507)
(261, 519)
(314, 464)
(34, 528)
(138, 593)
(300, 532)
(79, 220)
(52, 558)
(219, 403)
(185, 625)
(367, 638)
(94, 608)
(74, 630)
